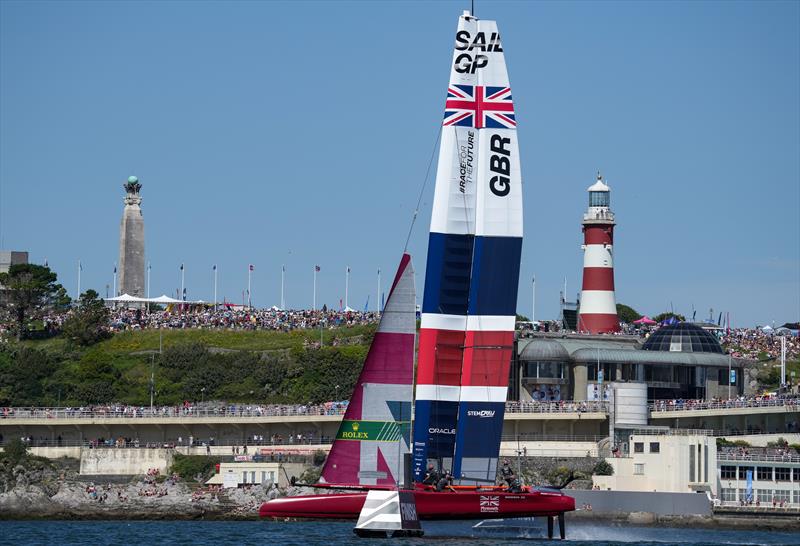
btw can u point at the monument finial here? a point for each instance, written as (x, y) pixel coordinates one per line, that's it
(132, 186)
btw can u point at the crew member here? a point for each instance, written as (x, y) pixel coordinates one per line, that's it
(507, 472)
(445, 481)
(431, 476)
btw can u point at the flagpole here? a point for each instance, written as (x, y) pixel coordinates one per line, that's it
(346, 287)
(249, 294)
(80, 267)
(314, 305)
(533, 303)
(149, 267)
(183, 290)
(378, 293)
(215, 287)
(115, 279)
(283, 275)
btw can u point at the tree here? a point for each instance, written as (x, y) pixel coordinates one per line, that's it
(89, 322)
(31, 290)
(627, 314)
(665, 316)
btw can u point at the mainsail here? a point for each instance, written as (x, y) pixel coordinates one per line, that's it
(374, 433)
(474, 247)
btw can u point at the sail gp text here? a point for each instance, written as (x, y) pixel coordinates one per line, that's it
(469, 62)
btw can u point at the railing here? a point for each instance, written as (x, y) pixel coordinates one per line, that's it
(267, 442)
(694, 405)
(131, 412)
(757, 457)
(557, 407)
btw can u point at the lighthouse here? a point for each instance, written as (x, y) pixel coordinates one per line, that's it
(598, 306)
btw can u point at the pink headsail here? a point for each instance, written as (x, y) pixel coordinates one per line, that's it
(374, 433)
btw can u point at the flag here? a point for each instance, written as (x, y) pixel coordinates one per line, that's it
(719, 320)
(181, 267)
(366, 305)
(316, 268)
(252, 267)
(478, 106)
(45, 262)
(283, 269)
(115, 268)
(694, 314)
(80, 265)
(214, 268)
(184, 294)
(340, 304)
(348, 269)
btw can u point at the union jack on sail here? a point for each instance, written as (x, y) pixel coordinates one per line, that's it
(478, 106)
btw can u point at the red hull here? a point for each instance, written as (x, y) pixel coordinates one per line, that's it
(470, 504)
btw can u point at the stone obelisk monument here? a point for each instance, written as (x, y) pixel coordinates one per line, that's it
(131, 242)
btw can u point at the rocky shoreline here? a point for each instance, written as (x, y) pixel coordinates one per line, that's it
(41, 490)
(38, 490)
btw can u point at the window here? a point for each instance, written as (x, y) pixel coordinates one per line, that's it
(764, 495)
(728, 495)
(782, 495)
(655, 447)
(796, 497)
(722, 378)
(764, 473)
(743, 472)
(638, 469)
(691, 464)
(638, 447)
(244, 476)
(782, 474)
(742, 495)
(796, 473)
(727, 472)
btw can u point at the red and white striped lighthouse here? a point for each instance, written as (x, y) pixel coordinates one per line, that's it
(598, 307)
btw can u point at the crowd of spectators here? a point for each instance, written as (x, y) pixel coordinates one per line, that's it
(765, 400)
(237, 319)
(760, 343)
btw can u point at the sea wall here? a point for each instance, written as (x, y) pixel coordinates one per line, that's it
(124, 461)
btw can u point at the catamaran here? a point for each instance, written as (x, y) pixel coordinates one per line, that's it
(466, 333)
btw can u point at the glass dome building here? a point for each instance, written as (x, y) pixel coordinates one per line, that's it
(683, 337)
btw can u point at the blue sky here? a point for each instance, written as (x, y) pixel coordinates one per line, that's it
(299, 133)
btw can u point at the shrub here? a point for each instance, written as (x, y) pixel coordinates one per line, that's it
(189, 467)
(15, 450)
(603, 468)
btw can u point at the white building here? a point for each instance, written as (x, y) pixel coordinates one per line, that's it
(673, 461)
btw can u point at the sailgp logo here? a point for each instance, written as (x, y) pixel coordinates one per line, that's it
(434, 430)
(480, 413)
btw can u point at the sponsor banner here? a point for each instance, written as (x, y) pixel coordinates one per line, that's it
(499, 190)
(480, 428)
(434, 433)
(545, 393)
(376, 431)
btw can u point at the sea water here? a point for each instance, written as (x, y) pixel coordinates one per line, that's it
(140, 533)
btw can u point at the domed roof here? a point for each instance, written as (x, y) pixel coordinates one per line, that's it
(132, 179)
(683, 337)
(599, 185)
(544, 349)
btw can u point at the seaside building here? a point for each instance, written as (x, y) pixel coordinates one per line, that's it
(678, 361)
(131, 242)
(598, 308)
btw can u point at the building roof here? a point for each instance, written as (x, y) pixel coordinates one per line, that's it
(683, 337)
(632, 356)
(544, 349)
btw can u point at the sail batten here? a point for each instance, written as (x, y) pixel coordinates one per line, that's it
(475, 242)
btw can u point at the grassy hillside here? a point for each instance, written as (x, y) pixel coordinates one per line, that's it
(236, 366)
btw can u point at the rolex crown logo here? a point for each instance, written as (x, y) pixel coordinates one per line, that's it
(355, 427)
